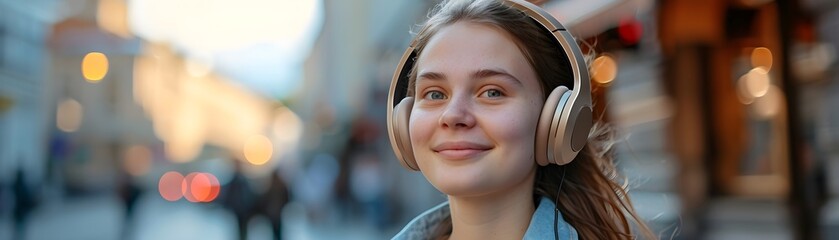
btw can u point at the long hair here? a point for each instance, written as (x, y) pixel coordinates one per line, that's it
(591, 199)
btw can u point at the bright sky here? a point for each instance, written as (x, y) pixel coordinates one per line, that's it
(259, 43)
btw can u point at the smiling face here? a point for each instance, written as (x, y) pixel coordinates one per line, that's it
(476, 107)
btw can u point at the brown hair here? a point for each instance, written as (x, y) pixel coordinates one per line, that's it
(591, 199)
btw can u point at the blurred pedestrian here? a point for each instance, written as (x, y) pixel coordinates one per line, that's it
(129, 193)
(368, 187)
(239, 198)
(271, 203)
(24, 203)
(315, 187)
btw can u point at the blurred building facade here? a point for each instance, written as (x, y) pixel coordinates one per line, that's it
(744, 79)
(23, 33)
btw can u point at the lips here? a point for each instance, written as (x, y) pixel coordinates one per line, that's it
(460, 150)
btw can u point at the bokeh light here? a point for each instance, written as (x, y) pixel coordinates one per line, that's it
(258, 150)
(137, 160)
(756, 82)
(215, 187)
(742, 94)
(169, 186)
(69, 115)
(762, 57)
(630, 31)
(200, 187)
(192, 189)
(94, 66)
(604, 69)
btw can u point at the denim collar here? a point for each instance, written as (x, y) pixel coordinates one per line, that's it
(541, 224)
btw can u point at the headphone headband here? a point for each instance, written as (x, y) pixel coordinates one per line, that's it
(579, 69)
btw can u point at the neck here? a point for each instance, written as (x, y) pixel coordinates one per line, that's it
(501, 215)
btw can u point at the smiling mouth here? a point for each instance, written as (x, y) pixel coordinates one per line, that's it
(460, 150)
(460, 154)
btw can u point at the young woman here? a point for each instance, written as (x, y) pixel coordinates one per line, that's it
(481, 105)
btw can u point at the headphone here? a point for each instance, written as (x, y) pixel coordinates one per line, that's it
(565, 120)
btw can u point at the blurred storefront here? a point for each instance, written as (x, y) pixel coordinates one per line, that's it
(727, 108)
(749, 81)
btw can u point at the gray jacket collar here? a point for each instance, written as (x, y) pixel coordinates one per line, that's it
(541, 224)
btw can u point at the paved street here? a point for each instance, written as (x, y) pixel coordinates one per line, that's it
(101, 217)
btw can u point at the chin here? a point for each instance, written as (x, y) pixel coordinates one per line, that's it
(462, 191)
(460, 184)
(473, 183)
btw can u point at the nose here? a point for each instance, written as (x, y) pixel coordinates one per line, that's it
(457, 114)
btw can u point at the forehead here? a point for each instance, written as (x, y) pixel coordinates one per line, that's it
(466, 46)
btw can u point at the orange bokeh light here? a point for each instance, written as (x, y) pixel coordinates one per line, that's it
(170, 186)
(604, 69)
(214, 189)
(258, 150)
(94, 66)
(762, 57)
(200, 187)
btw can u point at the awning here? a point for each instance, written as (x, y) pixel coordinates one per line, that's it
(586, 18)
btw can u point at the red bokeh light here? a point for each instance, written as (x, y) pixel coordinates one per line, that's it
(170, 186)
(215, 187)
(629, 31)
(200, 187)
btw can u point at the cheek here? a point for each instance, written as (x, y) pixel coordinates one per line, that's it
(420, 126)
(517, 124)
(517, 131)
(520, 139)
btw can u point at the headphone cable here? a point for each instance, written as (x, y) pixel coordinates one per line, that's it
(556, 204)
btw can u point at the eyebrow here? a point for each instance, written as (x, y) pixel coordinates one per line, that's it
(482, 73)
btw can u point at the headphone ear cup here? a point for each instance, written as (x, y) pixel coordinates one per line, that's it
(575, 130)
(560, 151)
(401, 118)
(544, 132)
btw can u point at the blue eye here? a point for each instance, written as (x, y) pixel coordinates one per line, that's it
(434, 95)
(493, 93)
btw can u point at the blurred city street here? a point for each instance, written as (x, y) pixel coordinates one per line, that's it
(264, 119)
(103, 217)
